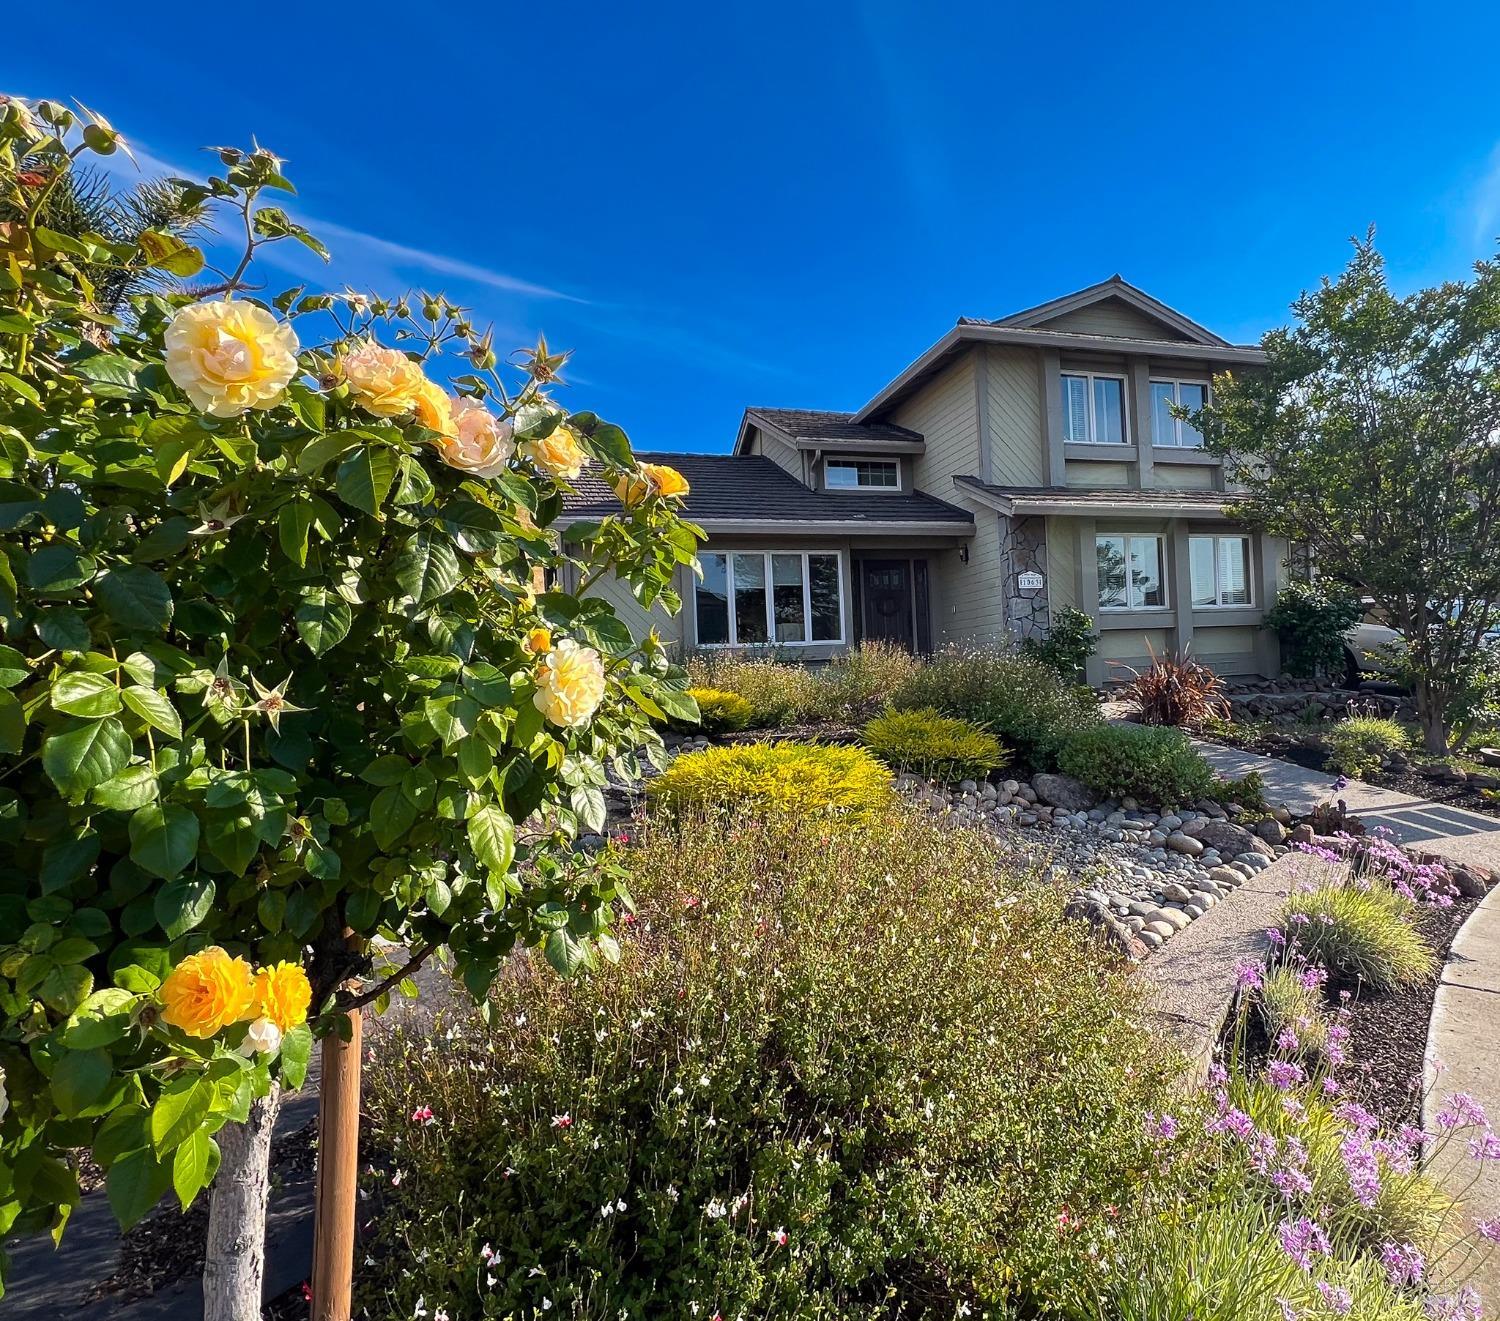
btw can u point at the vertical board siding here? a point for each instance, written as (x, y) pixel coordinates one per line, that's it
(1017, 445)
(780, 453)
(636, 617)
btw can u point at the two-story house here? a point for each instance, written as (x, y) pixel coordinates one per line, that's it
(1017, 467)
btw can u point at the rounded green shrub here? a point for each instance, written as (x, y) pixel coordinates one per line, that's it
(1153, 764)
(719, 712)
(935, 746)
(1359, 935)
(758, 778)
(1357, 746)
(796, 1095)
(1022, 701)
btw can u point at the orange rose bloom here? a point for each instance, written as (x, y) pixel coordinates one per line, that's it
(207, 992)
(282, 994)
(538, 641)
(665, 480)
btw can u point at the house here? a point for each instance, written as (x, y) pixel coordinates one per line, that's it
(1017, 467)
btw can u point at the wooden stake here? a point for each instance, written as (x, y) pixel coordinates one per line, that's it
(338, 1175)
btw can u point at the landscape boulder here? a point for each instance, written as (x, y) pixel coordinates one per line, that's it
(1063, 791)
(1232, 840)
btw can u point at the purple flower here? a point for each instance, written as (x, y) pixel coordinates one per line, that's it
(1356, 1117)
(1489, 1230)
(1339, 1300)
(1163, 1127)
(1363, 1168)
(1231, 1120)
(1284, 1074)
(1292, 1183)
(1461, 1110)
(1288, 1311)
(1301, 1239)
(1247, 975)
(1485, 1147)
(1461, 1306)
(1286, 1041)
(1403, 1262)
(1276, 936)
(1313, 977)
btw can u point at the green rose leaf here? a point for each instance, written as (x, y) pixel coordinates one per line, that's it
(91, 696)
(428, 569)
(13, 668)
(163, 839)
(180, 1110)
(80, 1078)
(136, 597)
(58, 570)
(155, 709)
(133, 787)
(12, 724)
(100, 1020)
(323, 620)
(182, 904)
(78, 759)
(66, 986)
(296, 1050)
(365, 477)
(392, 814)
(492, 836)
(136, 1183)
(194, 1165)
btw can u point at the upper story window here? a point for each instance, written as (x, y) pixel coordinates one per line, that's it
(1171, 431)
(1220, 570)
(768, 598)
(1093, 409)
(1130, 572)
(862, 474)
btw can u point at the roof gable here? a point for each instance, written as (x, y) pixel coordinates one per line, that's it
(1113, 307)
(808, 428)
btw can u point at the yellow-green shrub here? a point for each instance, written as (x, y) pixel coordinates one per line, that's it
(719, 712)
(1359, 934)
(778, 694)
(932, 745)
(1359, 745)
(761, 778)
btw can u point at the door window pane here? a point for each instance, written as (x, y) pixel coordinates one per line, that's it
(1190, 396)
(750, 599)
(1145, 573)
(1163, 424)
(823, 583)
(1234, 571)
(1075, 402)
(713, 600)
(786, 588)
(1111, 556)
(1109, 411)
(1205, 577)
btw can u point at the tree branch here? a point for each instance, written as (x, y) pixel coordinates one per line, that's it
(347, 1002)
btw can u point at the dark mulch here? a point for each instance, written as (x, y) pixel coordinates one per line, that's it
(1388, 1032)
(168, 1244)
(1409, 781)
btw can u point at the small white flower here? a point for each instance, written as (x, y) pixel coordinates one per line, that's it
(4, 1096)
(716, 1210)
(261, 1038)
(420, 1310)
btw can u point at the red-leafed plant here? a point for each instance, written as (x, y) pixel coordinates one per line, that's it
(1176, 690)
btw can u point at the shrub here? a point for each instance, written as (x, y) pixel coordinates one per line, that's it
(794, 1043)
(1310, 620)
(1359, 745)
(1023, 702)
(1177, 690)
(719, 712)
(1069, 643)
(1249, 791)
(1359, 934)
(863, 680)
(1286, 1002)
(1148, 763)
(774, 777)
(932, 745)
(778, 693)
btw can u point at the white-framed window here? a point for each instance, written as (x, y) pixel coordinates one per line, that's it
(780, 598)
(1172, 432)
(1093, 408)
(1219, 568)
(862, 474)
(1130, 572)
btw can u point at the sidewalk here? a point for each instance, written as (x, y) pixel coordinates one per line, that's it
(1453, 833)
(1462, 1039)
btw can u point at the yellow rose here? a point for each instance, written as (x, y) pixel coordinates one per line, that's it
(207, 992)
(538, 641)
(229, 356)
(632, 488)
(665, 480)
(558, 453)
(433, 409)
(383, 381)
(479, 443)
(282, 995)
(569, 684)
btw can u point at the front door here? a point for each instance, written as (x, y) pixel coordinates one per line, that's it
(886, 603)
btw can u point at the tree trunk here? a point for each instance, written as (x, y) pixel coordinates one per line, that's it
(235, 1259)
(1430, 709)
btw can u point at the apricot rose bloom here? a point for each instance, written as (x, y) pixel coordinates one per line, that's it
(433, 409)
(207, 992)
(479, 443)
(538, 641)
(282, 995)
(383, 381)
(229, 357)
(651, 479)
(569, 684)
(558, 454)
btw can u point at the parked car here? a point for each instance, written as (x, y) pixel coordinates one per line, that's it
(1364, 644)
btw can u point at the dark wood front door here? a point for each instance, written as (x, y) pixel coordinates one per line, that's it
(886, 599)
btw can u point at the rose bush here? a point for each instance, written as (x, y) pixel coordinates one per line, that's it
(279, 673)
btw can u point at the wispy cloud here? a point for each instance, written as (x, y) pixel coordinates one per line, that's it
(1486, 202)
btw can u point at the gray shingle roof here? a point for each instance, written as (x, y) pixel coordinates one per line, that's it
(812, 425)
(747, 488)
(1105, 497)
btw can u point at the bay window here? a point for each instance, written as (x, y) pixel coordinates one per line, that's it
(768, 598)
(1093, 408)
(1220, 571)
(1130, 576)
(1167, 430)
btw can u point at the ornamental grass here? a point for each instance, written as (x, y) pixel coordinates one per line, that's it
(1359, 933)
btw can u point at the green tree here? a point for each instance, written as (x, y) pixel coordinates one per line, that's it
(276, 666)
(1373, 437)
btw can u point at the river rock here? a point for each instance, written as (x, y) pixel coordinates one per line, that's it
(1231, 840)
(1063, 791)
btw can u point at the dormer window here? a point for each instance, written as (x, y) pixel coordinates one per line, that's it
(1093, 408)
(862, 474)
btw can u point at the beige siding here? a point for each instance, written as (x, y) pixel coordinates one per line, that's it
(1093, 475)
(1133, 646)
(1231, 650)
(1181, 476)
(1018, 447)
(1062, 564)
(1112, 316)
(946, 413)
(966, 598)
(779, 452)
(633, 615)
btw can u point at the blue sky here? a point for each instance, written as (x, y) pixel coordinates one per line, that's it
(783, 204)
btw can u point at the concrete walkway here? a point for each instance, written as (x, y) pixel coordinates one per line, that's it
(1462, 1038)
(1451, 832)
